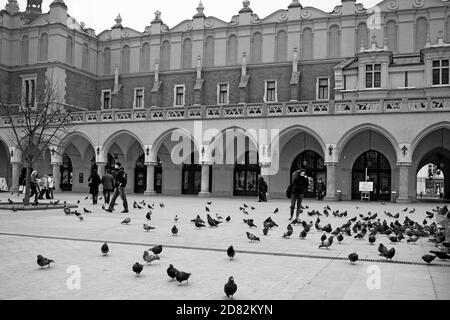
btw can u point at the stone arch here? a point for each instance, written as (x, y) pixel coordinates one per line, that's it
(186, 62)
(43, 47)
(232, 49)
(69, 140)
(162, 137)
(281, 46)
(421, 135)
(209, 51)
(363, 127)
(256, 47)
(420, 32)
(125, 59)
(334, 41)
(112, 139)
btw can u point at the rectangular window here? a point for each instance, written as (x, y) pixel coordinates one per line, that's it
(29, 91)
(179, 95)
(440, 72)
(106, 99)
(271, 91)
(406, 79)
(139, 98)
(223, 94)
(373, 76)
(323, 92)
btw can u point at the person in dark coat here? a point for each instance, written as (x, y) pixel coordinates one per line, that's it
(299, 185)
(108, 185)
(262, 190)
(120, 185)
(94, 182)
(321, 188)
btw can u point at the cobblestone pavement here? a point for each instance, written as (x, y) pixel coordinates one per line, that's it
(273, 269)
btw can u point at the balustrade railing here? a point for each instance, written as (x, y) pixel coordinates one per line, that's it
(255, 110)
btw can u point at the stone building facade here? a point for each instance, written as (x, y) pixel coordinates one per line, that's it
(354, 92)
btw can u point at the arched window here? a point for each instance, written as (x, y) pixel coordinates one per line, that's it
(24, 50)
(85, 57)
(187, 54)
(126, 59)
(391, 35)
(362, 36)
(69, 50)
(421, 33)
(165, 56)
(334, 42)
(209, 51)
(281, 46)
(145, 58)
(256, 54)
(107, 61)
(307, 44)
(43, 48)
(232, 50)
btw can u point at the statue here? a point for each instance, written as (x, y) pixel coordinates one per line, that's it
(156, 70)
(244, 63)
(157, 15)
(246, 3)
(199, 67)
(12, 7)
(295, 61)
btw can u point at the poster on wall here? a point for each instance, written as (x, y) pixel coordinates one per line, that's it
(366, 187)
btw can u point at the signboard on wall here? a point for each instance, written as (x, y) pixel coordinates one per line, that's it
(366, 187)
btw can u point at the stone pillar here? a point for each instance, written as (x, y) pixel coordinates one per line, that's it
(331, 181)
(265, 173)
(403, 183)
(56, 166)
(150, 179)
(15, 176)
(205, 181)
(101, 170)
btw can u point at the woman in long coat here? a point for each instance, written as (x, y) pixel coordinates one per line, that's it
(94, 183)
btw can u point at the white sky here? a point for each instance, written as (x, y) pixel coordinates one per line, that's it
(137, 14)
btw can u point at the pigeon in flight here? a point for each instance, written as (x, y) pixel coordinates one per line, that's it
(86, 210)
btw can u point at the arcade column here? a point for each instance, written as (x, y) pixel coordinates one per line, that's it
(56, 166)
(15, 176)
(150, 179)
(205, 181)
(331, 181)
(403, 183)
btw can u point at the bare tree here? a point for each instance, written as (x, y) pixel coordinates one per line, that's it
(36, 126)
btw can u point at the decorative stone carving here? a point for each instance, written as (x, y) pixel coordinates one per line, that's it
(117, 86)
(12, 7)
(418, 3)
(283, 16)
(164, 28)
(157, 15)
(255, 19)
(393, 5)
(337, 10)
(108, 35)
(234, 20)
(188, 26)
(360, 8)
(209, 23)
(118, 24)
(306, 14)
(124, 34)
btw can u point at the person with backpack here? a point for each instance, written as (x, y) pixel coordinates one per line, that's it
(321, 188)
(296, 191)
(121, 183)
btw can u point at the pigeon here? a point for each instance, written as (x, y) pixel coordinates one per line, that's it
(105, 249)
(245, 206)
(265, 231)
(174, 230)
(199, 225)
(137, 268)
(212, 222)
(406, 209)
(288, 234)
(327, 244)
(353, 257)
(252, 237)
(394, 239)
(251, 224)
(428, 258)
(86, 210)
(340, 238)
(86, 198)
(182, 276)
(413, 239)
(78, 202)
(207, 209)
(390, 254)
(126, 221)
(228, 219)
(10, 201)
(14, 209)
(218, 217)
(42, 262)
(231, 253)
(81, 218)
(172, 272)
(175, 219)
(441, 255)
(303, 234)
(149, 258)
(209, 203)
(77, 214)
(162, 205)
(230, 288)
(323, 238)
(372, 239)
(276, 211)
(157, 249)
(148, 228)
(253, 208)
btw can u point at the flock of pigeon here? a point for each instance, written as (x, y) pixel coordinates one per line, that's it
(360, 227)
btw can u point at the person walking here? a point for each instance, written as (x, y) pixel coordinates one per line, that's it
(120, 185)
(321, 190)
(108, 185)
(94, 182)
(51, 186)
(34, 186)
(298, 188)
(262, 190)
